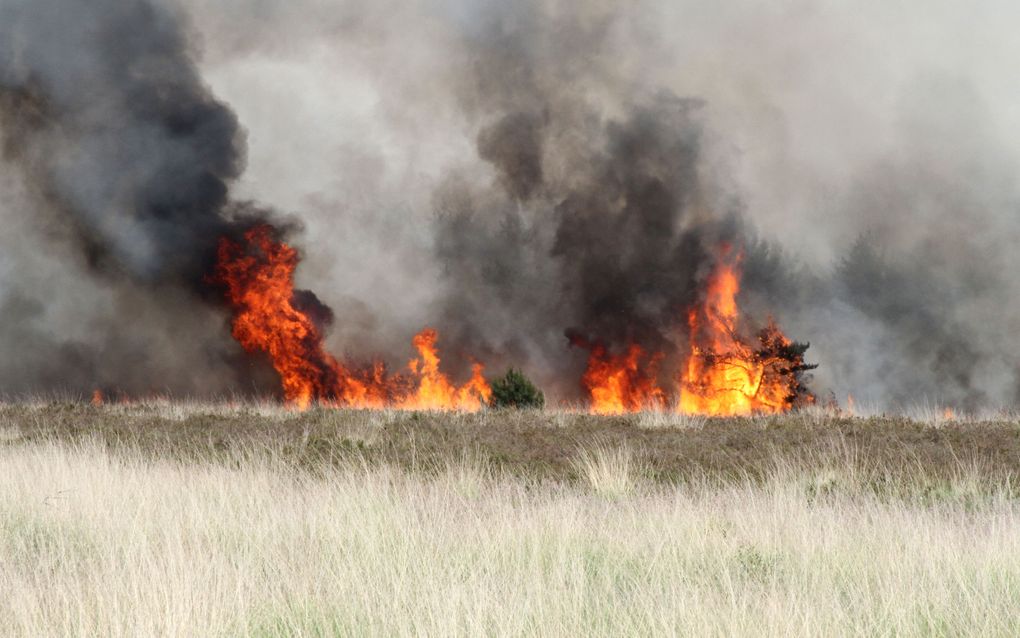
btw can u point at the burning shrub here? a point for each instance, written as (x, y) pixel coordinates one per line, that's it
(514, 390)
(727, 371)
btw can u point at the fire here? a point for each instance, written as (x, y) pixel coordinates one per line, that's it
(726, 376)
(621, 383)
(258, 281)
(97, 397)
(434, 390)
(724, 373)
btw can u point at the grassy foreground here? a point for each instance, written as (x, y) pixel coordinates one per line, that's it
(173, 519)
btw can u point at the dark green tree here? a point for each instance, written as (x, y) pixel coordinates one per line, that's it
(514, 390)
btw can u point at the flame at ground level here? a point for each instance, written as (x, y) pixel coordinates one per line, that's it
(257, 277)
(621, 383)
(722, 375)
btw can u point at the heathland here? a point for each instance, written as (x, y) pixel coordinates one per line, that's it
(170, 518)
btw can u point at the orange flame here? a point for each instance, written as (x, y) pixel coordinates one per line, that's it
(97, 397)
(723, 374)
(622, 383)
(258, 281)
(434, 390)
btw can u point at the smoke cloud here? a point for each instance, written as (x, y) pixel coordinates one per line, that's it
(126, 161)
(511, 173)
(107, 114)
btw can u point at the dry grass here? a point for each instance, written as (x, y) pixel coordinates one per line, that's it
(608, 470)
(97, 544)
(541, 445)
(670, 420)
(233, 521)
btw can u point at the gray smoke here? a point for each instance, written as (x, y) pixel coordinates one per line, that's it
(613, 251)
(912, 306)
(508, 172)
(599, 227)
(127, 160)
(105, 110)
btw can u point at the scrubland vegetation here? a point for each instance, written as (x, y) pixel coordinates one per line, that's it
(210, 520)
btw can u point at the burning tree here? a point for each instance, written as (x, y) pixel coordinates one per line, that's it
(744, 380)
(723, 374)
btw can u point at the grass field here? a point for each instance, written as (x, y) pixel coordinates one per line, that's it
(209, 520)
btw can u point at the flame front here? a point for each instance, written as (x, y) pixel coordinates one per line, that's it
(258, 280)
(722, 375)
(723, 372)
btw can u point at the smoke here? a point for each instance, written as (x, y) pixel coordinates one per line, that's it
(105, 110)
(926, 290)
(613, 246)
(126, 160)
(604, 215)
(509, 172)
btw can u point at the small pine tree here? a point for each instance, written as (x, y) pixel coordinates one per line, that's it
(514, 390)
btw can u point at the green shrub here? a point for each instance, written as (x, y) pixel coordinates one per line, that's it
(514, 390)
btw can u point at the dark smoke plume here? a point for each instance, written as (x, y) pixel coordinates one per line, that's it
(609, 206)
(128, 157)
(600, 228)
(105, 111)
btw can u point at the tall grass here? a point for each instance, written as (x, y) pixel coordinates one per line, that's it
(100, 544)
(607, 469)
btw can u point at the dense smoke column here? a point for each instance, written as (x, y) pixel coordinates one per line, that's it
(633, 244)
(605, 213)
(129, 159)
(105, 111)
(601, 222)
